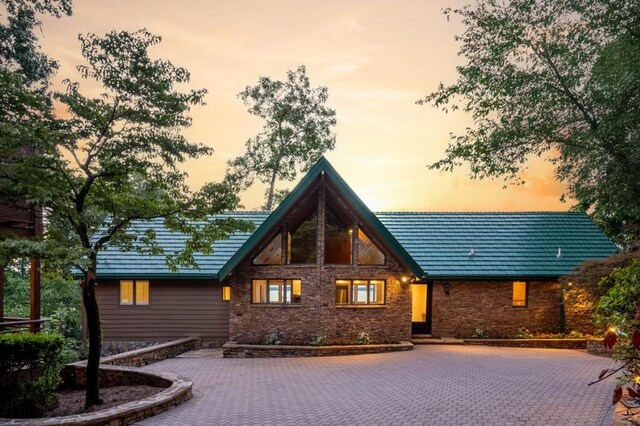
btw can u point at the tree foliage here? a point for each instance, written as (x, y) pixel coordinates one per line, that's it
(296, 132)
(554, 78)
(113, 161)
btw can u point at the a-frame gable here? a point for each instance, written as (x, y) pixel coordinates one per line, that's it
(322, 169)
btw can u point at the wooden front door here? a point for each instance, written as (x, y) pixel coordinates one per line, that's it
(421, 308)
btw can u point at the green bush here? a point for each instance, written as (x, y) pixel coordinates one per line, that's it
(29, 367)
(617, 307)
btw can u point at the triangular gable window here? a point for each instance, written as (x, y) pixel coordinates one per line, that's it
(337, 240)
(302, 241)
(368, 252)
(271, 254)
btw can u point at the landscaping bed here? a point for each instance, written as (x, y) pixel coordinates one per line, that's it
(238, 350)
(566, 343)
(71, 401)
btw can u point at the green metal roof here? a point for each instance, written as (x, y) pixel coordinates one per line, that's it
(505, 245)
(113, 263)
(365, 215)
(433, 245)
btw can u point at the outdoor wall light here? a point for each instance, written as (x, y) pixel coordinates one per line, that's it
(447, 288)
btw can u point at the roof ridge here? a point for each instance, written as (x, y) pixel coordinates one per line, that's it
(541, 212)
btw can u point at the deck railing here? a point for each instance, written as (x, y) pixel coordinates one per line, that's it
(20, 325)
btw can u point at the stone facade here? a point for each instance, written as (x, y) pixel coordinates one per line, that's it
(487, 305)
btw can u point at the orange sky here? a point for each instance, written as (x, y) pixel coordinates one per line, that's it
(376, 57)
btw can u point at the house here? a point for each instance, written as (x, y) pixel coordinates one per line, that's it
(322, 264)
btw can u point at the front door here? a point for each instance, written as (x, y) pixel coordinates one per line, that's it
(420, 308)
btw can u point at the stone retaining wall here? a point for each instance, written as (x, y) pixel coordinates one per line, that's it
(235, 350)
(531, 343)
(595, 347)
(176, 390)
(150, 354)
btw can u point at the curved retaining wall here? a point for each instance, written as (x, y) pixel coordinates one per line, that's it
(237, 350)
(177, 390)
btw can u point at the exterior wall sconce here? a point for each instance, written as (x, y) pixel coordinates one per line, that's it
(447, 288)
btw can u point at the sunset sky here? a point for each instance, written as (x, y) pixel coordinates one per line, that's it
(376, 58)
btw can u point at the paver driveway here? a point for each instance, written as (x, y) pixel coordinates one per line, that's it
(431, 385)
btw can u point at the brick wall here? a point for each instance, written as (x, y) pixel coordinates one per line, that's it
(579, 306)
(487, 305)
(317, 314)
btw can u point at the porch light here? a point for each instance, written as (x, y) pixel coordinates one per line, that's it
(404, 279)
(447, 288)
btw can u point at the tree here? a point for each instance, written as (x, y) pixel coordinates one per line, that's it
(116, 160)
(555, 78)
(296, 132)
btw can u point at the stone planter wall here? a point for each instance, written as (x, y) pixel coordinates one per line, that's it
(235, 350)
(176, 390)
(595, 347)
(531, 343)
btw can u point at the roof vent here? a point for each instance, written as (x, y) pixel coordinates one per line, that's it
(472, 253)
(559, 254)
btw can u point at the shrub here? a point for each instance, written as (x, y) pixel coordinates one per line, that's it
(363, 338)
(272, 339)
(319, 341)
(479, 334)
(29, 367)
(523, 333)
(619, 309)
(618, 306)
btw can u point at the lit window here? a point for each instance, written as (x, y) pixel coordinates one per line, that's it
(360, 292)
(277, 291)
(368, 252)
(134, 292)
(520, 294)
(226, 292)
(271, 254)
(126, 292)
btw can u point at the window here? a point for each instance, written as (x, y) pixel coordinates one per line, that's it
(337, 240)
(368, 252)
(277, 291)
(271, 254)
(226, 293)
(360, 292)
(519, 294)
(302, 242)
(134, 292)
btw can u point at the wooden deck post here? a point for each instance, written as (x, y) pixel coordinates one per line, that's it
(34, 281)
(1, 292)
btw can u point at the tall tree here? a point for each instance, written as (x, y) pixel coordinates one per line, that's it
(296, 132)
(113, 161)
(554, 78)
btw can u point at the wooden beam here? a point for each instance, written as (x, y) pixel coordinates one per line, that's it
(1, 292)
(34, 281)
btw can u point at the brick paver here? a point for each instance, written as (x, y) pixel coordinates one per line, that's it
(431, 385)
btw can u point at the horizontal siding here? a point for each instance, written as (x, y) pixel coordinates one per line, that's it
(177, 308)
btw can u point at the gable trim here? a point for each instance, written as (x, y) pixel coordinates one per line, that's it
(322, 167)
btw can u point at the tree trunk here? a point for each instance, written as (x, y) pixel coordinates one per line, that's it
(271, 189)
(95, 338)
